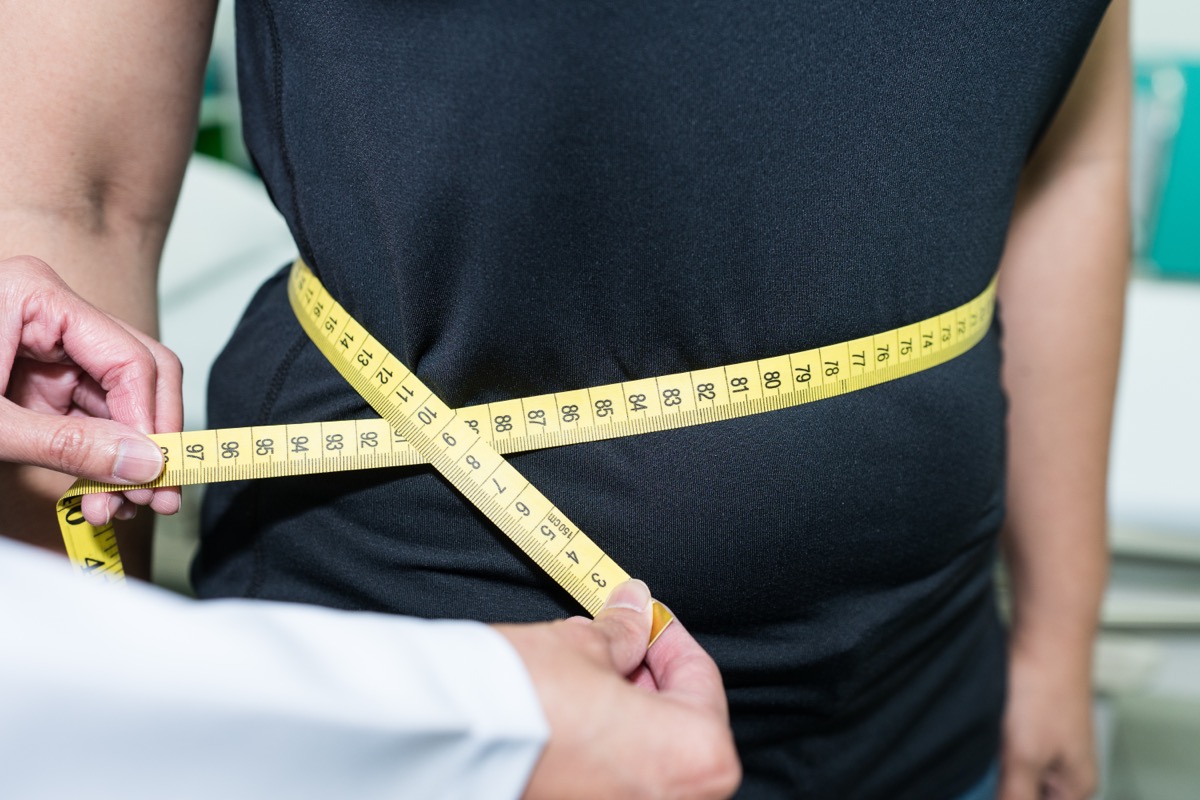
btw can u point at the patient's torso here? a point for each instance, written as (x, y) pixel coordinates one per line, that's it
(526, 197)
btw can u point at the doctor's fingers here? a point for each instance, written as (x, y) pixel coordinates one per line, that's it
(683, 671)
(46, 321)
(624, 626)
(168, 413)
(99, 449)
(129, 378)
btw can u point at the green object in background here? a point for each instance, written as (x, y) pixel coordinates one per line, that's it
(210, 140)
(1175, 249)
(218, 116)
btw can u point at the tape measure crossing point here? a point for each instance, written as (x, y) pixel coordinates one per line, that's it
(465, 445)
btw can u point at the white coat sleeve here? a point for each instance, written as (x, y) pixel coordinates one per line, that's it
(132, 692)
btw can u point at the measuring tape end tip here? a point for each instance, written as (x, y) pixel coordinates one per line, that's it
(660, 619)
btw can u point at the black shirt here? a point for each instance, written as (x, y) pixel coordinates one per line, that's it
(523, 197)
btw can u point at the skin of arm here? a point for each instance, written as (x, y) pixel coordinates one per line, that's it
(101, 100)
(1062, 290)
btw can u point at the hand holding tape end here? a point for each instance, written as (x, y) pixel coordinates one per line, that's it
(659, 717)
(80, 391)
(635, 595)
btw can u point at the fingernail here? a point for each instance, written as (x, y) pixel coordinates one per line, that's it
(111, 507)
(632, 594)
(138, 461)
(171, 504)
(126, 511)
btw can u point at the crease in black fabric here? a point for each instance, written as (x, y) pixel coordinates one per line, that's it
(270, 397)
(295, 219)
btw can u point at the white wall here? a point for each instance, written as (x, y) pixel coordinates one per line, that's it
(1166, 28)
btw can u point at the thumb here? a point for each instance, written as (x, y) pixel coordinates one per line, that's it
(99, 449)
(624, 622)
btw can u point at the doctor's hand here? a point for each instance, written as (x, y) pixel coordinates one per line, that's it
(80, 389)
(626, 721)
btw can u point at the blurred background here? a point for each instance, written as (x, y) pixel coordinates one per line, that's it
(227, 238)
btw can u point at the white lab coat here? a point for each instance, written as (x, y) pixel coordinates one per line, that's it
(132, 692)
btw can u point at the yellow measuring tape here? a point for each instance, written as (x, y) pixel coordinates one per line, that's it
(465, 444)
